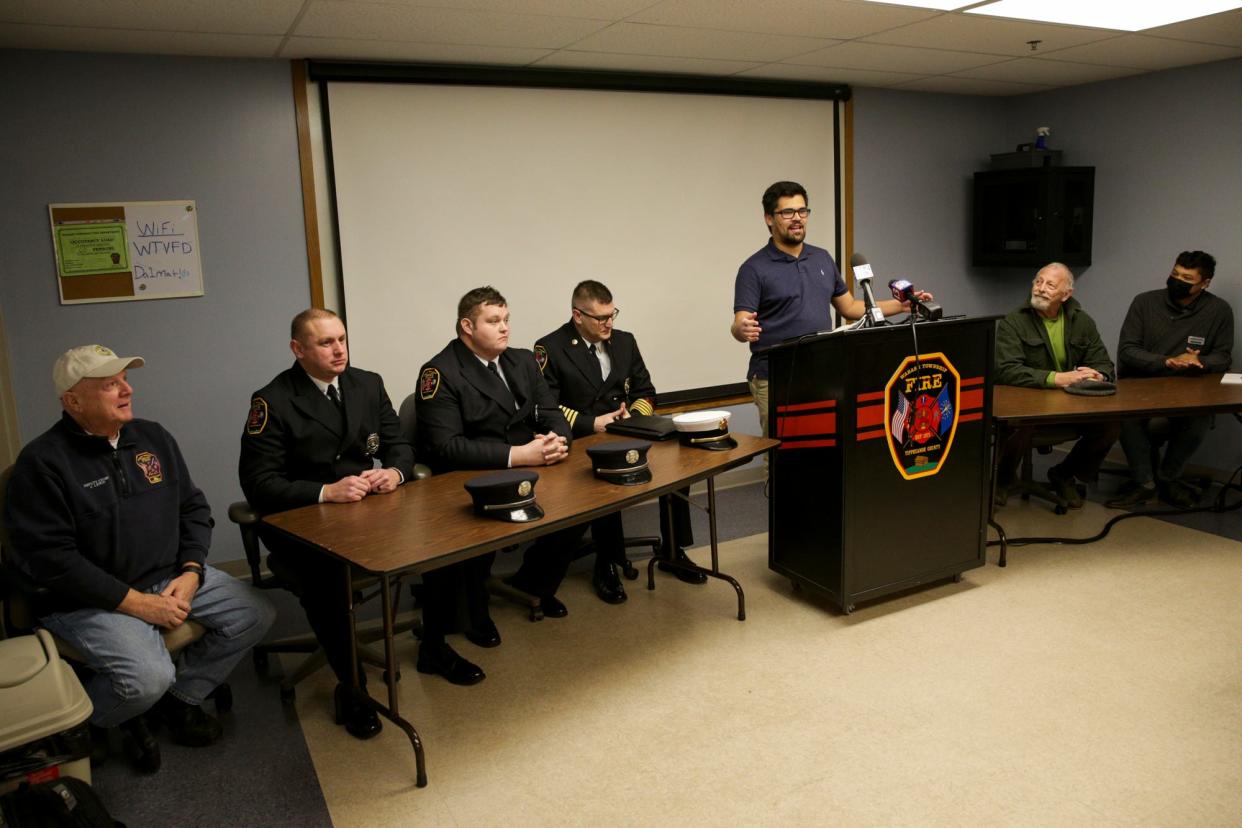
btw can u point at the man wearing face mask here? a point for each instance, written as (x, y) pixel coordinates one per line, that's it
(1051, 342)
(1181, 330)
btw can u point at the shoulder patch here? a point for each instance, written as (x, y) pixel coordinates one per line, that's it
(428, 383)
(541, 357)
(257, 420)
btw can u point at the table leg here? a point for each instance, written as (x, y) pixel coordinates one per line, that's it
(392, 712)
(714, 572)
(998, 437)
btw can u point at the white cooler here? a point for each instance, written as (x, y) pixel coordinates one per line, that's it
(43, 714)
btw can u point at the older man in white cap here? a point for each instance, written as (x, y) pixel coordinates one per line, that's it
(102, 511)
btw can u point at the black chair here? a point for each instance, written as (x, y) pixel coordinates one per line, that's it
(365, 589)
(1043, 442)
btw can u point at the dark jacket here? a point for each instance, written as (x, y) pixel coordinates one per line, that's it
(1024, 353)
(1156, 328)
(572, 373)
(293, 444)
(467, 419)
(90, 522)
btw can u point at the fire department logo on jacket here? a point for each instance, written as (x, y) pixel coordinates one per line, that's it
(921, 401)
(150, 465)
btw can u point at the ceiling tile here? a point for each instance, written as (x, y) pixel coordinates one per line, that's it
(236, 16)
(955, 85)
(1143, 52)
(970, 33)
(596, 9)
(75, 39)
(1224, 28)
(861, 55)
(1047, 71)
(568, 59)
(813, 18)
(328, 48)
(376, 21)
(823, 74)
(675, 41)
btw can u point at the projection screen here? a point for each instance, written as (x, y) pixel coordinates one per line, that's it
(442, 188)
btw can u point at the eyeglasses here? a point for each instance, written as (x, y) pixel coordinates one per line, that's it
(790, 212)
(601, 319)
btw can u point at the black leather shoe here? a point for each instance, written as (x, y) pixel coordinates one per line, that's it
(355, 712)
(443, 660)
(140, 745)
(552, 607)
(1177, 494)
(686, 575)
(1063, 484)
(607, 585)
(484, 635)
(99, 745)
(1135, 495)
(188, 724)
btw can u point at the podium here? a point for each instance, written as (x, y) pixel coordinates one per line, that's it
(881, 480)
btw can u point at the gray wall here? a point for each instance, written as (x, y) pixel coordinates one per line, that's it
(1168, 178)
(81, 128)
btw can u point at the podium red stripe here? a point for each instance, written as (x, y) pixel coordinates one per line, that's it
(806, 406)
(870, 435)
(967, 382)
(971, 400)
(872, 415)
(804, 424)
(871, 395)
(966, 418)
(803, 444)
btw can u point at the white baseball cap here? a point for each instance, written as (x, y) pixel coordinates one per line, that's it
(89, 361)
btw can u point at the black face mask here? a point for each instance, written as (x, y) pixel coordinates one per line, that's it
(1178, 289)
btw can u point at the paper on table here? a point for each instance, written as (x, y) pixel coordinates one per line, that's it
(1231, 379)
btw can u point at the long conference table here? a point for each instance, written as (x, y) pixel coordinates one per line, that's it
(1013, 407)
(430, 523)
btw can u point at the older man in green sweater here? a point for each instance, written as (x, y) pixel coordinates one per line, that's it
(1051, 342)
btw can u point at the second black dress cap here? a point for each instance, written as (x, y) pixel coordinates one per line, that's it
(506, 495)
(623, 462)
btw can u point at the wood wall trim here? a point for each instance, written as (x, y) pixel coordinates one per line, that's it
(310, 211)
(847, 191)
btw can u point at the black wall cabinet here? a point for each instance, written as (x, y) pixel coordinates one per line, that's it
(1030, 217)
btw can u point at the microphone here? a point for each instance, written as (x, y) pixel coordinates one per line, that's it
(903, 291)
(863, 274)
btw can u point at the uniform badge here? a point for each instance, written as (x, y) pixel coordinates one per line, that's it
(428, 383)
(524, 488)
(150, 465)
(257, 421)
(372, 443)
(541, 357)
(631, 456)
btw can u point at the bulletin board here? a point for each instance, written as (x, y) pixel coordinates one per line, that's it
(122, 251)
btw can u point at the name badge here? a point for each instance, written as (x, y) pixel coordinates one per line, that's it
(1195, 341)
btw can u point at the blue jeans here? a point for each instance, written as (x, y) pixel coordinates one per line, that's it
(131, 669)
(1185, 436)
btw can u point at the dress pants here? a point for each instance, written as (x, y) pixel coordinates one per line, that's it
(1185, 436)
(454, 598)
(1083, 461)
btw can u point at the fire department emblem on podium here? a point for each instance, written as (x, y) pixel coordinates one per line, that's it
(921, 401)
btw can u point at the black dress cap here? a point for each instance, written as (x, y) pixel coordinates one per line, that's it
(506, 495)
(623, 462)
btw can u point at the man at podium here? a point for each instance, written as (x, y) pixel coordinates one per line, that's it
(785, 290)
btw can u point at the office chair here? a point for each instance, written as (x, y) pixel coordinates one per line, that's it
(247, 520)
(1042, 441)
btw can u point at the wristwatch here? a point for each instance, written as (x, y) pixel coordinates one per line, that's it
(198, 569)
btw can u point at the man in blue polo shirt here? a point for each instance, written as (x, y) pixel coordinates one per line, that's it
(785, 289)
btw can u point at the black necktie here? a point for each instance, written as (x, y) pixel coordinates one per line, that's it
(495, 369)
(599, 368)
(337, 403)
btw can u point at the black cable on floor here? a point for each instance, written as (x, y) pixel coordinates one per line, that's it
(1218, 506)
